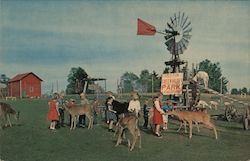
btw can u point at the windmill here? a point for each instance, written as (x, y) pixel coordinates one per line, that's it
(177, 35)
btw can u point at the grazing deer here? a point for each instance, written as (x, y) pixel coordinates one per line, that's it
(194, 116)
(6, 111)
(130, 122)
(203, 104)
(76, 110)
(214, 104)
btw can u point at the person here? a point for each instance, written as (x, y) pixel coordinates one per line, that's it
(134, 104)
(95, 110)
(61, 109)
(109, 94)
(146, 109)
(157, 113)
(166, 108)
(53, 113)
(111, 117)
(82, 118)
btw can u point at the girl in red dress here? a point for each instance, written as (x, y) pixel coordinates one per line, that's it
(53, 114)
(158, 112)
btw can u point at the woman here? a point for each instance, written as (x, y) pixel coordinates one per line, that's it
(158, 112)
(53, 114)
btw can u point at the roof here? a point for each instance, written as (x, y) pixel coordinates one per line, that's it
(21, 76)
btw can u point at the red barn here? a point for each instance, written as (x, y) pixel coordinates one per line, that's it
(25, 85)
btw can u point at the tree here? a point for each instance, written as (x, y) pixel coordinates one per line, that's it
(215, 76)
(234, 91)
(76, 80)
(143, 83)
(144, 80)
(156, 82)
(129, 82)
(4, 79)
(244, 90)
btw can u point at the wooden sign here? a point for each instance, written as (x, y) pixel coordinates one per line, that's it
(171, 83)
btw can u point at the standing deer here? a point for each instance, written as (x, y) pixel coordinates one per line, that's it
(130, 122)
(76, 110)
(6, 111)
(195, 116)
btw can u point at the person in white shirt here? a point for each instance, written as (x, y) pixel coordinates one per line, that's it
(134, 105)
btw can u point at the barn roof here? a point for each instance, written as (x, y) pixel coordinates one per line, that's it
(21, 76)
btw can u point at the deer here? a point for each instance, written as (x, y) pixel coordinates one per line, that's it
(214, 104)
(6, 111)
(129, 121)
(197, 117)
(76, 110)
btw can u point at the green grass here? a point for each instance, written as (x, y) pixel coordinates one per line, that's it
(30, 140)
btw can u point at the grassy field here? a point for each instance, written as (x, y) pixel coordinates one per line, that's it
(30, 140)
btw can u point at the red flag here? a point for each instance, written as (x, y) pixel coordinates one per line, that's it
(143, 28)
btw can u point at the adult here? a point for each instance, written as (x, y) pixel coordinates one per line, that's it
(158, 112)
(82, 118)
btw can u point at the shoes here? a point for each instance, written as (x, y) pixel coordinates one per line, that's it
(83, 126)
(111, 130)
(158, 135)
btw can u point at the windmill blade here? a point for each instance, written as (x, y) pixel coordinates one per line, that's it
(172, 21)
(184, 46)
(181, 47)
(168, 31)
(187, 36)
(175, 20)
(186, 39)
(168, 38)
(178, 18)
(184, 22)
(171, 27)
(188, 30)
(180, 51)
(186, 26)
(168, 44)
(182, 18)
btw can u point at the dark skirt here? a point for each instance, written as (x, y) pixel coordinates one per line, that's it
(111, 116)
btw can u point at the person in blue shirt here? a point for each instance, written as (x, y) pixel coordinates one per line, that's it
(168, 106)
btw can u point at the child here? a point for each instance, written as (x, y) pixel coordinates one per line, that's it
(166, 108)
(111, 117)
(145, 114)
(53, 114)
(61, 110)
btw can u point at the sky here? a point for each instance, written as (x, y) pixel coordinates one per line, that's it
(50, 37)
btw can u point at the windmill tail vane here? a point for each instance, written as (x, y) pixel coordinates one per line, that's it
(144, 28)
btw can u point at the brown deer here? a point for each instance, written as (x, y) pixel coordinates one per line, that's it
(130, 122)
(6, 111)
(196, 117)
(76, 110)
